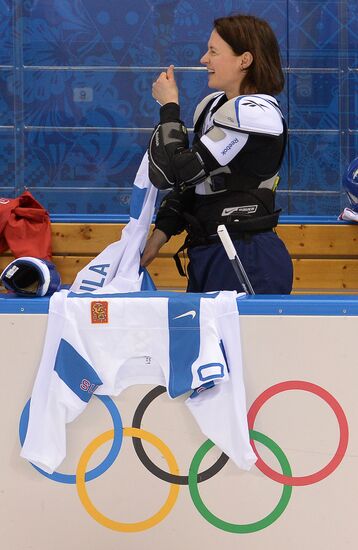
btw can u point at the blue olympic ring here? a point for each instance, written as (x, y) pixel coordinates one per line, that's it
(105, 464)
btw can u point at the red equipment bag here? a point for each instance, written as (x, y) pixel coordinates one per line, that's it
(25, 227)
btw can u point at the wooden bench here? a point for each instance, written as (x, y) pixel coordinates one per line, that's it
(325, 257)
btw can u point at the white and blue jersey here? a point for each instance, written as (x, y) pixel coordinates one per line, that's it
(104, 343)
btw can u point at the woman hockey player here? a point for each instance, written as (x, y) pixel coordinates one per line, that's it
(229, 174)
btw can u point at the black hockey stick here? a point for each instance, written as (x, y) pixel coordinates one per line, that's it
(234, 259)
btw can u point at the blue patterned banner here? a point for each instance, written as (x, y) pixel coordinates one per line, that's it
(76, 109)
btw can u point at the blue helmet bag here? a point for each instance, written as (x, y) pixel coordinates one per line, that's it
(28, 276)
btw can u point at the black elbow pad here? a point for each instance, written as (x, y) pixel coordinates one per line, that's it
(166, 140)
(189, 169)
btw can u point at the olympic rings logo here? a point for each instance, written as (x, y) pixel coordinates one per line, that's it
(195, 477)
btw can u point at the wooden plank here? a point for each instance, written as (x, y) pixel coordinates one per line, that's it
(301, 240)
(310, 275)
(320, 240)
(305, 240)
(162, 270)
(79, 238)
(325, 256)
(321, 274)
(69, 266)
(87, 239)
(165, 274)
(313, 275)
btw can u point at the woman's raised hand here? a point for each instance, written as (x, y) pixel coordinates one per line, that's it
(165, 89)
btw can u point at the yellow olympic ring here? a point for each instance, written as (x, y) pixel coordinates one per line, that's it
(98, 516)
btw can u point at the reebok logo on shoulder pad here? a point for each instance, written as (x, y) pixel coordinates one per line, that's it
(228, 147)
(252, 103)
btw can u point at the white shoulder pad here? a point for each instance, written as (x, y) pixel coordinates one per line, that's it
(257, 114)
(203, 103)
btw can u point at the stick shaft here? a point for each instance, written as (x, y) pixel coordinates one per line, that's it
(234, 259)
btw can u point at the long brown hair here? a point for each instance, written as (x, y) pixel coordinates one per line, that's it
(249, 33)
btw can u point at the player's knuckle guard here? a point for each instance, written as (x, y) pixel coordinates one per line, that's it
(172, 204)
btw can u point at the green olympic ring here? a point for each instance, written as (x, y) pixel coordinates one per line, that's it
(234, 527)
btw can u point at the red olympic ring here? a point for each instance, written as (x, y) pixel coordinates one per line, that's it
(343, 428)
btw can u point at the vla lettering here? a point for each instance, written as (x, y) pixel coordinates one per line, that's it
(101, 269)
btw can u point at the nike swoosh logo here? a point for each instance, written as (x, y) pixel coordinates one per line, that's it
(228, 211)
(191, 313)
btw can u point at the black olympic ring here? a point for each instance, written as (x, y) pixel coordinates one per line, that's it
(153, 468)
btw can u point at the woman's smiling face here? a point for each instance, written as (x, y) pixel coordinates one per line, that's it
(225, 68)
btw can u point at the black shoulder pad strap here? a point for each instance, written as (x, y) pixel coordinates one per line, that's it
(203, 108)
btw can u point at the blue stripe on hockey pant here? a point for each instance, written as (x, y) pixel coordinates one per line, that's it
(75, 372)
